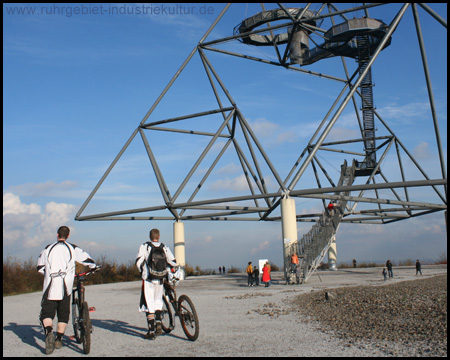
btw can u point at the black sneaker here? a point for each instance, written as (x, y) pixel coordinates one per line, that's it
(150, 335)
(49, 343)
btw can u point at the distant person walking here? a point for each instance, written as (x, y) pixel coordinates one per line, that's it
(354, 263)
(384, 274)
(256, 276)
(389, 268)
(249, 272)
(57, 263)
(223, 270)
(418, 267)
(294, 262)
(266, 275)
(220, 270)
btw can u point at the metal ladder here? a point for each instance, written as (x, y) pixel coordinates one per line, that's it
(314, 245)
(363, 43)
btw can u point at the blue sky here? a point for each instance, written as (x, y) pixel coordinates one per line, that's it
(77, 84)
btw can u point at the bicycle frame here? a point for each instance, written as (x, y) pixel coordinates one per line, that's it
(171, 294)
(79, 288)
(80, 312)
(183, 307)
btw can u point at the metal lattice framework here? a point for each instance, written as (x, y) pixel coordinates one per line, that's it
(252, 155)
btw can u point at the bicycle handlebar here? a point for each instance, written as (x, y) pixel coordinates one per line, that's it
(90, 271)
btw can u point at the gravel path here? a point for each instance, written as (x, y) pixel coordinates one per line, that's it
(403, 319)
(235, 320)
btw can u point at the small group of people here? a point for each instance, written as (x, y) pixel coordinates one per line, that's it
(57, 263)
(253, 274)
(391, 274)
(222, 270)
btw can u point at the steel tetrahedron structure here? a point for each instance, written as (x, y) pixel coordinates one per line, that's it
(298, 37)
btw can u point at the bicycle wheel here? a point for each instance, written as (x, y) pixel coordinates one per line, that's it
(76, 321)
(188, 317)
(86, 329)
(167, 319)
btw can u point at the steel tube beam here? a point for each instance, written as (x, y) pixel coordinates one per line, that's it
(289, 67)
(300, 193)
(341, 151)
(223, 207)
(190, 132)
(204, 113)
(373, 200)
(106, 173)
(430, 93)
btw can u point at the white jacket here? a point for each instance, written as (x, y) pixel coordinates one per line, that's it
(57, 263)
(143, 254)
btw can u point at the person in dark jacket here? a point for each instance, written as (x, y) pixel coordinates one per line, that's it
(418, 267)
(389, 268)
(256, 276)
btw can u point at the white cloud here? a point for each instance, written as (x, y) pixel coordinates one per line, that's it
(404, 113)
(288, 136)
(422, 151)
(261, 247)
(230, 168)
(13, 205)
(238, 183)
(263, 127)
(29, 225)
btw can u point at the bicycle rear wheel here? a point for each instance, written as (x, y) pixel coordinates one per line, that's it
(188, 317)
(76, 321)
(167, 319)
(86, 329)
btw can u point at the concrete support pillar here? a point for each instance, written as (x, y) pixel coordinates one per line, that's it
(289, 230)
(179, 245)
(332, 255)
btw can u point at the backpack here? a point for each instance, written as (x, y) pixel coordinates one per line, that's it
(157, 262)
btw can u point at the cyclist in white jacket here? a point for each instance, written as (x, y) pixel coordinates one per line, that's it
(151, 301)
(57, 263)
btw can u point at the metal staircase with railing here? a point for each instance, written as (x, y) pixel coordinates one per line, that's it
(314, 245)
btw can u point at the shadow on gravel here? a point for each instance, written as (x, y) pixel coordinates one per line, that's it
(29, 334)
(119, 326)
(125, 328)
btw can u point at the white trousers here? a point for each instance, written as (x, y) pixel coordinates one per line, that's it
(153, 292)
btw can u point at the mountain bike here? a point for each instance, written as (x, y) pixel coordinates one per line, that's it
(183, 307)
(81, 321)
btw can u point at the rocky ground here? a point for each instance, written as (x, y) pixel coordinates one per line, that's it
(402, 319)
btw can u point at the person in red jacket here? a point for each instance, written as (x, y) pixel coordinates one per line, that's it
(266, 275)
(330, 209)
